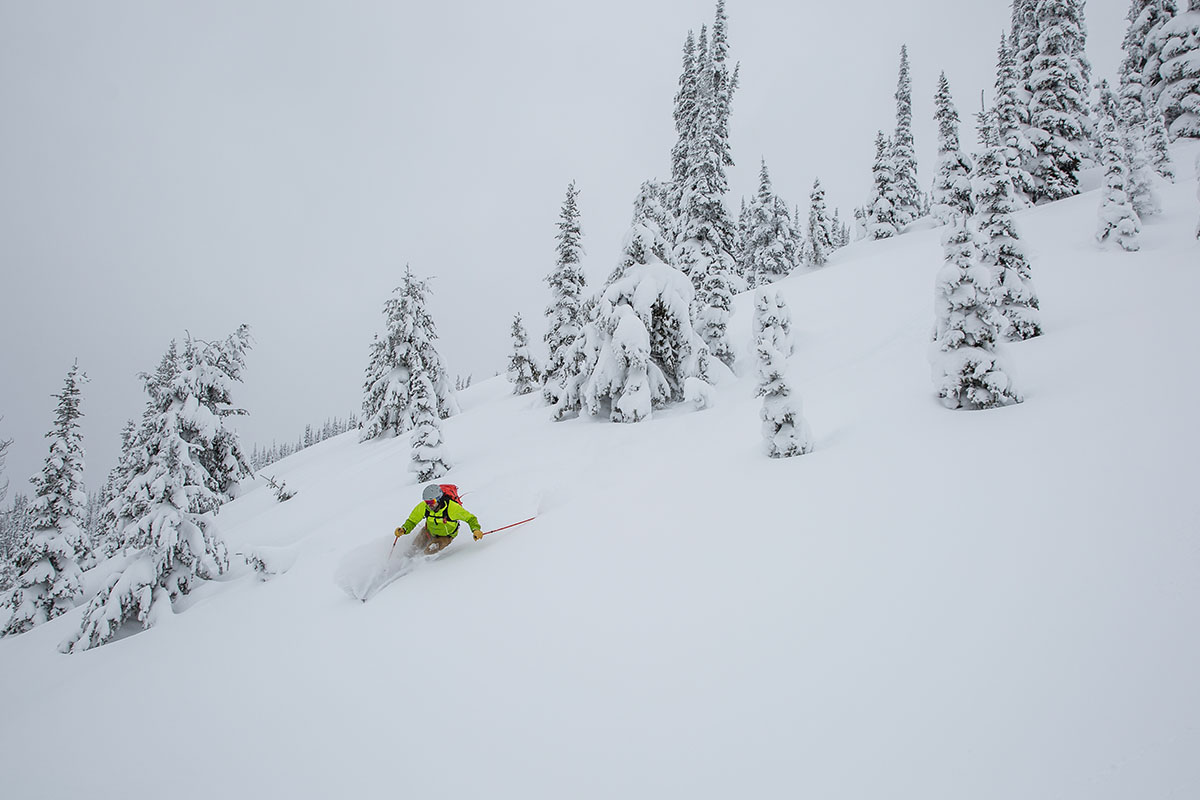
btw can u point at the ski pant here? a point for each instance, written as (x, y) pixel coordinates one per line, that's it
(425, 542)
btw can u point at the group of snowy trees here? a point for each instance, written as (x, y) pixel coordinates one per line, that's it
(177, 467)
(265, 456)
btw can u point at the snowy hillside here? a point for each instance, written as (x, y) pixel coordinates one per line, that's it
(933, 604)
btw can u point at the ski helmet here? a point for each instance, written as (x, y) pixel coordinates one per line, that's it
(432, 493)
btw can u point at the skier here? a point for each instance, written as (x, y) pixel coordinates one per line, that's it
(438, 516)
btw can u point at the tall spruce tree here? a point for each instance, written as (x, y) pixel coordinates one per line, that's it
(907, 206)
(952, 186)
(1058, 112)
(49, 580)
(967, 370)
(1011, 113)
(1139, 80)
(408, 342)
(564, 314)
(193, 465)
(995, 199)
(1180, 73)
(823, 231)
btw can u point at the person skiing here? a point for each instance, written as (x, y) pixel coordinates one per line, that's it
(438, 516)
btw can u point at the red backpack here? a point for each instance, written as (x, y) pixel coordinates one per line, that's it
(451, 491)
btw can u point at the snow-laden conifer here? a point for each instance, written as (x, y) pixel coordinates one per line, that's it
(773, 320)
(1058, 113)
(1140, 83)
(523, 372)
(785, 431)
(1180, 73)
(967, 370)
(907, 204)
(1130, 117)
(639, 350)
(194, 463)
(1118, 221)
(879, 219)
(1000, 249)
(429, 458)
(564, 314)
(49, 580)
(952, 186)
(771, 247)
(823, 231)
(408, 342)
(1011, 113)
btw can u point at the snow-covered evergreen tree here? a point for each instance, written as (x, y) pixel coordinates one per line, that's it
(523, 372)
(429, 459)
(704, 240)
(1129, 115)
(995, 198)
(967, 370)
(773, 320)
(879, 219)
(49, 581)
(193, 466)
(952, 185)
(823, 231)
(1058, 113)
(771, 248)
(1118, 220)
(907, 205)
(639, 350)
(1011, 113)
(563, 315)
(408, 342)
(784, 428)
(1140, 84)
(1180, 73)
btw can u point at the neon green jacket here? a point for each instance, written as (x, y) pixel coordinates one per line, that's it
(443, 522)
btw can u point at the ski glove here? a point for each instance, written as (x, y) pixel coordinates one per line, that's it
(400, 532)
(478, 534)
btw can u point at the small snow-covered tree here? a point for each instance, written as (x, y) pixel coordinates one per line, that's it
(564, 314)
(771, 250)
(823, 231)
(429, 459)
(784, 428)
(1058, 112)
(995, 198)
(879, 220)
(49, 580)
(193, 464)
(523, 372)
(1180, 73)
(967, 370)
(907, 204)
(952, 186)
(1118, 220)
(408, 342)
(773, 320)
(1129, 115)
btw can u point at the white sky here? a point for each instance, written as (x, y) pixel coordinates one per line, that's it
(169, 167)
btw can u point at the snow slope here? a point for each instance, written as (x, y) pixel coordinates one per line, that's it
(933, 604)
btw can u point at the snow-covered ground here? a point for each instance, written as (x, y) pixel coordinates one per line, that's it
(933, 604)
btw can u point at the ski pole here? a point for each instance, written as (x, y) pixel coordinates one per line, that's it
(506, 527)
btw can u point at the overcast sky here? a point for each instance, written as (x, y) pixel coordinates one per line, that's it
(171, 167)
